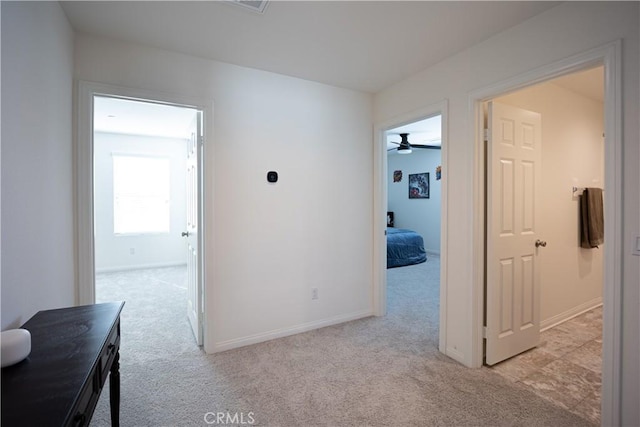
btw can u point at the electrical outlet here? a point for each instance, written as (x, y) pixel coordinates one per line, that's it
(314, 293)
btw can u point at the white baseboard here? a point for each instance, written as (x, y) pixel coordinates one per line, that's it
(456, 355)
(280, 333)
(139, 267)
(570, 314)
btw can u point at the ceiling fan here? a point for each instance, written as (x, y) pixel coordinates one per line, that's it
(405, 148)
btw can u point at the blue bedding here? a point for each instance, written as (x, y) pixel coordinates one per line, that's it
(404, 247)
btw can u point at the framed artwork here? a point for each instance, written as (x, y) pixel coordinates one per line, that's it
(419, 185)
(397, 176)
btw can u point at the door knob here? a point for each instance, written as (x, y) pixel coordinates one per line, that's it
(186, 234)
(540, 243)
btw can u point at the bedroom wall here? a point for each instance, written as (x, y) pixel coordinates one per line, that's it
(124, 252)
(572, 155)
(37, 189)
(269, 245)
(568, 29)
(420, 215)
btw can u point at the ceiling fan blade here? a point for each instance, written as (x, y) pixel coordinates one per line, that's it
(431, 147)
(403, 146)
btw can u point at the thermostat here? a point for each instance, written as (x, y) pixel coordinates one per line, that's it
(272, 176)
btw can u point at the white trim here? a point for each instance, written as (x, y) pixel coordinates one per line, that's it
(570, 314)
(285, 332)
(608, 55)
(380, 208)
(455, 354)
(380, 204)
(444, 227)
(83, 144)
(612, 296)
(83, 151)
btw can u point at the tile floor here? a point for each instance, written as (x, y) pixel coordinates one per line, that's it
(566, 368)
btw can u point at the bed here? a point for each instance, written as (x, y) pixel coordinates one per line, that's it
(404, 247)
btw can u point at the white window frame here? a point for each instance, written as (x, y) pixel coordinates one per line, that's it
(158, 199)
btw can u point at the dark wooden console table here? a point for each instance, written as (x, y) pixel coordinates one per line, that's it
(73, 350)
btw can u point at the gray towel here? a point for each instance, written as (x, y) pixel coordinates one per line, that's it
(591, 218)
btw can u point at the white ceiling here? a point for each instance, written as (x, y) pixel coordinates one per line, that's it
(141, 118)
(422, 132)
(361, 45)
(589, 83)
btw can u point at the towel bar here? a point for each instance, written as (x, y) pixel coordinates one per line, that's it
(576, 189)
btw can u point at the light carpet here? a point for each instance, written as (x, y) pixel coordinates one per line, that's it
(378, 371)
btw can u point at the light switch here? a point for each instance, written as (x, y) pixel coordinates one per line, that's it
(636, 250)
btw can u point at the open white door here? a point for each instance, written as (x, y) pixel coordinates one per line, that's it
(513, 193)
(192, 232)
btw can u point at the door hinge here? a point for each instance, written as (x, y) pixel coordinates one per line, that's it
(484, 332)
(485, 135)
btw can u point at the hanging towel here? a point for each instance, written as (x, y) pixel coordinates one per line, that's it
(591, 218)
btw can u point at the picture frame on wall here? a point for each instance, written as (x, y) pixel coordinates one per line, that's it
(419, 185)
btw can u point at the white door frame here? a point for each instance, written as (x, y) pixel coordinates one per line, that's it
(83, 151)
(380, 209)
(609, 56)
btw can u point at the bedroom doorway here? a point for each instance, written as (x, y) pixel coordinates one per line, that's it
(414, 220)
(147, 174)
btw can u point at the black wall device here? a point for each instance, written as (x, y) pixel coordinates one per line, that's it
(272, 176)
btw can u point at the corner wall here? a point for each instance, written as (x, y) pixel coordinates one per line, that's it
(37, 190)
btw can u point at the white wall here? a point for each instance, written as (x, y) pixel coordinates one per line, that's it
(572, 155)
(113, 252)
(268, 244)
(420, 215)
(563, 31)
(37, 188)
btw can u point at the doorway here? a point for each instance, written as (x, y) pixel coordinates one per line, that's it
(139, 183)
(570, 277)
(609, 56)
(414, 165)
(146, 175)
(420, 213)
(434, 118)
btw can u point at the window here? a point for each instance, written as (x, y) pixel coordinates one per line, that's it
(141, 190)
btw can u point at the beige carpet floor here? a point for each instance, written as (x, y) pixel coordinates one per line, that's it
(378, 371)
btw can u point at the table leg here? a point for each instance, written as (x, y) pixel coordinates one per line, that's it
(114, 391)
